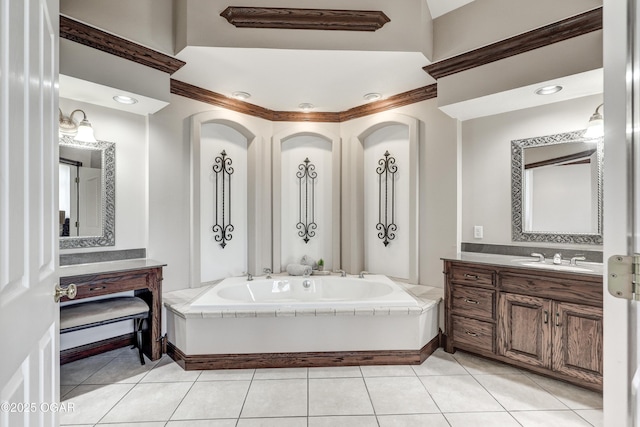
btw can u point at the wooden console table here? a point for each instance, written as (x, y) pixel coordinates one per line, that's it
(143, 276)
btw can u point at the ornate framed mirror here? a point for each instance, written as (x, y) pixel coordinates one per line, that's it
(556, 189)
(86, 193)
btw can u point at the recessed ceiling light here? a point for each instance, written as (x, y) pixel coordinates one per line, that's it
(548, 90)
(241, 95)
(306, 107)
(373, 96)
(125, 99)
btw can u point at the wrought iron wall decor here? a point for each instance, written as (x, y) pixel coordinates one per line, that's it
(223, 171)
(306, 196)
(386, 177)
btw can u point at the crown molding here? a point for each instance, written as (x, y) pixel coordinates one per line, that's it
(556, 32)
(305, 19)
(204, 95)
(87, 35)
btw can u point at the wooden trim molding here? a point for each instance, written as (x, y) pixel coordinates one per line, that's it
(556, 32)
(91, 349)
(305, 19)
(309, 359)
(87, 35)
(203, 95)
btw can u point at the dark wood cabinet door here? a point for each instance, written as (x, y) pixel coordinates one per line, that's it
(524, 329)
(577, 341)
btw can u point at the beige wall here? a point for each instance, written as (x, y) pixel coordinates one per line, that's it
(486, 161)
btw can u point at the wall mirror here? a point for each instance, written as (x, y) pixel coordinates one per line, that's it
(556, 189)
(86, 193)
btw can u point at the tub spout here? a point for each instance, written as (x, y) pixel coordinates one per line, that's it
(342, 273)
(362, 273)
(268, 271)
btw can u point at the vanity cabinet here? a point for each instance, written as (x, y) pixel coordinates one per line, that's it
(546, 321)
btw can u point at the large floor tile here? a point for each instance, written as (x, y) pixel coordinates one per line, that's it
(399, 395)
(273, 422)
(344, 421)
(595, 417)
(417, 420)
(519, 393)
(121, 370)
(65, 389)
(149, 402)
(482, 419)
(549, 418)
(77, 372)
(388, 371)
(203, 423)
(573, 396)
(213, 399)
(440, 363)
(227, 374)
(276, 398)
(459, 393)
(168, 371)
(280, 373)
(92, 402)
(339, 396)
(336, 372)
(145, 424)
(476, 365)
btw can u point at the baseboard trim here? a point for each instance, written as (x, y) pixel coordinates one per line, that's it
(91, 349)
(302, 359)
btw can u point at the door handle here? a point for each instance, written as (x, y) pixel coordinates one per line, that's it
(546, 317)
(557, 318)
(70, 292)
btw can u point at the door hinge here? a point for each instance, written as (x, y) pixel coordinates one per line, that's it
(623, 279)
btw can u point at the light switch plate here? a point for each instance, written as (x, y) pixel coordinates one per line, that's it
(477, 231)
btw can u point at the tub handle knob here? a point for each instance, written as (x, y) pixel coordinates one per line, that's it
(268, 271)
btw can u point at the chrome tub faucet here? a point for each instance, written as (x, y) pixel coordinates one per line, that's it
(362, 273)
(539, 255)
(577, 258)
(557, 259)
(342, 273)
(268, 272)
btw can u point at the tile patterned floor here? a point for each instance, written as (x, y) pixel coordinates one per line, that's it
(458, 390)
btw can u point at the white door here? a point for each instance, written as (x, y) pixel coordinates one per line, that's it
(621, 206)
(29, 367)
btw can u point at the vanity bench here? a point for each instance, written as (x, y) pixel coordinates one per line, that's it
(104, 279)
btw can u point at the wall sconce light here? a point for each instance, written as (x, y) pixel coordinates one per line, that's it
(595, 127)
(80, 131)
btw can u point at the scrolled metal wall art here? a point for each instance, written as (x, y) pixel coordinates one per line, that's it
(306, 196)
(222, 170)
(386, 176)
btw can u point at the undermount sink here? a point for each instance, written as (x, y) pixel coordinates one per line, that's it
(557, 267)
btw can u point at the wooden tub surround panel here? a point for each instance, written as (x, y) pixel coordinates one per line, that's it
(305, 19)
(300, 360)
(545, 321)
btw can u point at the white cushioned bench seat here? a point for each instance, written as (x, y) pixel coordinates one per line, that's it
(85, 315)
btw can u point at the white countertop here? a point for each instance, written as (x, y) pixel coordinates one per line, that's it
(589, 268)
(109, 267)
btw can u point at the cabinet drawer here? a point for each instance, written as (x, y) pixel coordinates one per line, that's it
(471, 275)
(473, 333)
(473, 302)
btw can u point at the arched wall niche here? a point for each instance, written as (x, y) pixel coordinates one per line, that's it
(282, 142)
(353, 190)
(256, 195)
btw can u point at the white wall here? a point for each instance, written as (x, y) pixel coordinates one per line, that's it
(217, 262)
(128, 132)
(393, 259)
(486, 162)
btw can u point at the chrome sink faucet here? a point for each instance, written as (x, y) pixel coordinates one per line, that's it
(557, 259)
(342, 273)
(577, 258)
(362, 273)
(539, 255)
